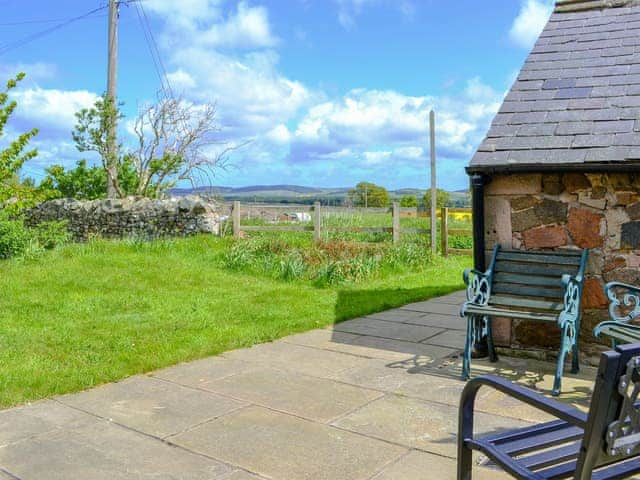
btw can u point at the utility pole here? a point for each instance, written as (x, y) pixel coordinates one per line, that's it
(434, 223)
(112, 165)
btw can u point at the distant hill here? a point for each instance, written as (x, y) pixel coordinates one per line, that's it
(300, 194)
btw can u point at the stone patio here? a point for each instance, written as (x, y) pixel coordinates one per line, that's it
(371, 398)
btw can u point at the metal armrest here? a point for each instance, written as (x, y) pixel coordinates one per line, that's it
(572, 296)
(478, 286)
(597, 331)
(526, 395)
(630, 300)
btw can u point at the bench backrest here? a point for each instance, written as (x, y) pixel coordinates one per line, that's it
(612, 435)
(526, 280)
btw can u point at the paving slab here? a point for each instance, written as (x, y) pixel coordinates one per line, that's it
(449, 338)
(299, 358)
(433, 306)
(290, 392)
(105, 451)
(281, 446)
(21, 423)
(367, 346)
(397, 315)
(437, 320)
(456, 298)
(151, 405)
(202, 371)
(418, 423)
(418, 465)
(418, 379)
(384, 329)
(241, 475)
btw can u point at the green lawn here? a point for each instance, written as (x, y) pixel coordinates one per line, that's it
(88, 314)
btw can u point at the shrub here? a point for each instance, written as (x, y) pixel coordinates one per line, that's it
(14, 238)
(325, 263)
(52, 234)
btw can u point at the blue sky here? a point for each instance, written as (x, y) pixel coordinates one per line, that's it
(319, 92)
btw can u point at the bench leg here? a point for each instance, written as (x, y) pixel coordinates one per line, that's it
(493, 356)
(468, 344)
(575, 353)
(567, 343)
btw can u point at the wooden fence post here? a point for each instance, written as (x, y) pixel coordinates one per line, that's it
(444, 230)
(236, 219)
(317, 222)
(396, 222)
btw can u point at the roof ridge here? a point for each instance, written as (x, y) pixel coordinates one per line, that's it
(565, 6)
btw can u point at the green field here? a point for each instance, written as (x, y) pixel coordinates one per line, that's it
(364, 218)
(87, 314)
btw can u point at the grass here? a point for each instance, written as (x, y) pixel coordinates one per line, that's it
(83, 315)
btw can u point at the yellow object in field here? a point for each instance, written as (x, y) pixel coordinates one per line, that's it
(460, 216)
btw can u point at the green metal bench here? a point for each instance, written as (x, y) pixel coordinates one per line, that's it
(624, 307)
(602, 444)
(540, 286)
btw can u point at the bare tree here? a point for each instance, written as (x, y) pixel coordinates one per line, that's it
(176, 142)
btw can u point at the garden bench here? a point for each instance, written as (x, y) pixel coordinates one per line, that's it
(602, 444)
(540, 286)
(624, 307)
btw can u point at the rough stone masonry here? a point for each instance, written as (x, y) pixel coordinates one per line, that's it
(130, 217)
(600, 212)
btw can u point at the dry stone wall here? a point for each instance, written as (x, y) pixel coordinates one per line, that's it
(130, 217)
(568, 211)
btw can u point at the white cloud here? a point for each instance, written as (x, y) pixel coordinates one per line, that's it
(248, 27)
(35, 71)
(348, 10)
(529, 23)
(279, 135)
(50, 110)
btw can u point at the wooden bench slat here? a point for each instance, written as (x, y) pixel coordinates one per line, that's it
(519, 315)
(524, 290)
(545, 270)
(527, 279)
(525, 303)
(539, 258)
(622, 334)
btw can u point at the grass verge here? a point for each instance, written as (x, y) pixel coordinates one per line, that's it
(84, 315)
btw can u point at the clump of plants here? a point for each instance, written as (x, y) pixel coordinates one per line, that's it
(324, 263)
(18, 240)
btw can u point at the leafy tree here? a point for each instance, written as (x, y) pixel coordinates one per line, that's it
(369, 195)
(13, 157)
(442, 198)
(94, 133)
(409, 201)
(87, 183)
(173, 143)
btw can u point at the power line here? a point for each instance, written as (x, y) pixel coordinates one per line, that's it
(154, 51)
(7, 47)
(29, 22)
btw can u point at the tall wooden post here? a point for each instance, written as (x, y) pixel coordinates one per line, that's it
(112, 142)
(317, 221)
(434, 220)
(396, 222)
(444, 230)
(236, 219)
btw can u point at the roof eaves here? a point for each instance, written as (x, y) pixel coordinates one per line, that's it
(632, 166)
(566, 6)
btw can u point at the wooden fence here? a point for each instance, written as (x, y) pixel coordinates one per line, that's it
(395, 230)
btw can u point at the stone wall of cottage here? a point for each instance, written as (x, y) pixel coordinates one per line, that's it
(567, 211)
(130, 217)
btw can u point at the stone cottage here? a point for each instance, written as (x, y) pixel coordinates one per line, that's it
(560, 165)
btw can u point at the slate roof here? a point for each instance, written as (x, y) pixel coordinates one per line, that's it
(576, 101)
